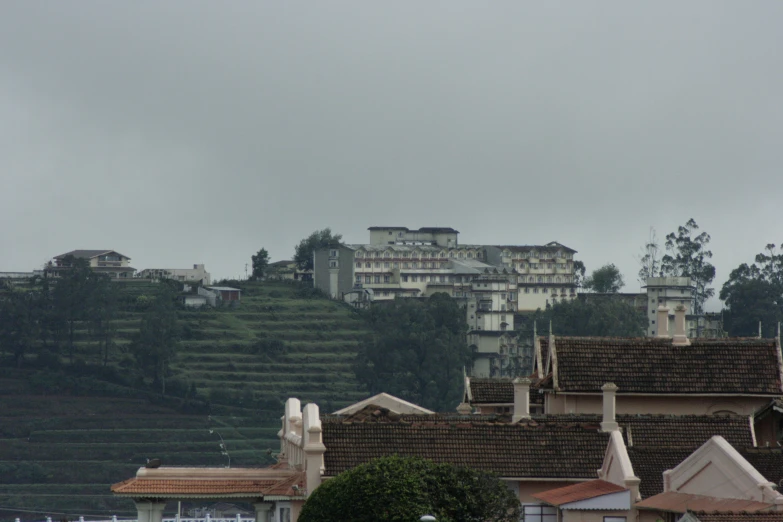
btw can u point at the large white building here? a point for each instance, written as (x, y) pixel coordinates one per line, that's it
(493, 282)
(197, 274)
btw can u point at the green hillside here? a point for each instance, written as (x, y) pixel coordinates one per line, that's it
(66, 438)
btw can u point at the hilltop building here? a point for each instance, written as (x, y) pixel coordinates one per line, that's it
(195, 275)
(108, 262)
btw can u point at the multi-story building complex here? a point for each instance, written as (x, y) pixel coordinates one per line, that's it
(197, 274)
(494, 283)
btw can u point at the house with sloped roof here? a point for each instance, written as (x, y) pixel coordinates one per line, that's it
(108, 262)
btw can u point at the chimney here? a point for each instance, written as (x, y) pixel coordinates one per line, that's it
(609, 423)
(680, 337)
(663, 321)
(521, 399)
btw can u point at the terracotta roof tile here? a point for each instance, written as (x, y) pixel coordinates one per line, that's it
(682, 502)
(500, 391)
(652, 365)
(739, 515)
(576, 492)
(142, 486)
(767, 461)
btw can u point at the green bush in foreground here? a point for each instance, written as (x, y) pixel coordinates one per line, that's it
(397, 489)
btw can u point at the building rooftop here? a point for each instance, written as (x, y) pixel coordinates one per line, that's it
(577, 492)
(683, 502)
(432, 230)
(655, 366)
(551, 246)
(89, 254)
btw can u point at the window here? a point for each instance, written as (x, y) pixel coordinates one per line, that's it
(549, 265)
(540, 279)
(406, 265)
(548, 279)
(332, 264)
(358, 279)
(377, 279)
(404, 279)
(502, 317)
(396, 265)
(414, 278)
(359, 254)
(545, 290)
(503, 307)
(527, 290)
(415, 265)
(535, 290)
(502, 296)
(358, 264)
(386, 279)
(539, 513)
(386, 264)
(377, 264)
(531, 279)
(386, 293)
(333, 253)
(367, 265)
(368, 279)
(470, 255)
(442, 279)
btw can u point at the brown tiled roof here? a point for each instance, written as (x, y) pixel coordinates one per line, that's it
(738, 515)
(682, 502)
(500, 391)
(576, 492)
(767, 461)
(650, 463)
(212, 482)
(684, 431)
(652, 365)
(527, 449)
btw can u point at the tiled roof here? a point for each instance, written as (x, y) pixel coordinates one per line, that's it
(212, 482)
(576, 492)
(683, 502)
(527, 449)
(737, 515)
(650, 463)
(499, 391)
(767, 461)
(684, 431)
(87, 254)
(653, 365)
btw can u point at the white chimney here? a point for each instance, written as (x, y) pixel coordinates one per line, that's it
(680, 337)
(609, 422)
(663, 321)
(521, 399)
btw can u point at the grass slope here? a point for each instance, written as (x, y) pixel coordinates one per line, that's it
(59, 453)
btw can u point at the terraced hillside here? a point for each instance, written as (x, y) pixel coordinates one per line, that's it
(63, 444)
(274, 346)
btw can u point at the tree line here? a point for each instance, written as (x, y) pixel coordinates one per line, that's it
(39, 322)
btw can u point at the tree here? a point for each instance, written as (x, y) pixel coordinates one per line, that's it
(579, 273)
(650, 260)
(417, 351)
(605, 280)
(70, 301)
(398, 489)
(260, 263)
(19, 323)
(101, 315)
(156, 343)
(687, 257)
(754, 293)
(303, 254)
(598, 316)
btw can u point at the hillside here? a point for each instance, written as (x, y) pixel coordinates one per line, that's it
(64, 439)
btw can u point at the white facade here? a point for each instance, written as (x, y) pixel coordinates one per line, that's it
(669, 292)
(197, 274)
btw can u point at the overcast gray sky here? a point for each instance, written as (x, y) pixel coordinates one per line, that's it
(184, 132)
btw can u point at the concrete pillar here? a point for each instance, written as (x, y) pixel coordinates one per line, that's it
(314, 448)
(609, 420)
(521, 399)
(663, 321)
(334, 290)
(680, 337)
(263, 510)
(149, 511)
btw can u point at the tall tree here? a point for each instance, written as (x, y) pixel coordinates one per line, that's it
(579, 273)
(303, 253)
(70, 301)
(650, 259)
(687, 256)
(101, 315)
(19, 323)
(398, 489)
(260, 264)
(605, 280)
(158, 338)
(417, 351)
(754, 293)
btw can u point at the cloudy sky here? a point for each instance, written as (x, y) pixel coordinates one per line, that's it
(185, 132)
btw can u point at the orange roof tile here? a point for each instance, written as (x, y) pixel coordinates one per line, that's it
(580, 491)
(682, 502)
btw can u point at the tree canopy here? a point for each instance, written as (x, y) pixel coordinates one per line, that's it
(687, 256)
(604, 316)
(754, 293)
(605, 280)
(260, 263)
(417, 351)
(397, 489)
(303, 253)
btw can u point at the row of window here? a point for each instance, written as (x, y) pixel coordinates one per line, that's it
(538, 255)
(388, 264)
(542, 266)
(545, 290)
(388, 254)
(546, 279)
